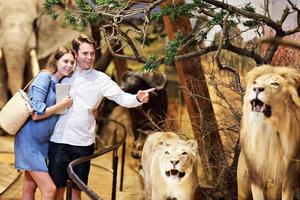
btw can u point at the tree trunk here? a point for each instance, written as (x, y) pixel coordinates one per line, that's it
(198, 103)
(120, 65)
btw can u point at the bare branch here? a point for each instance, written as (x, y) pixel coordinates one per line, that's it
(110, 48)
(279, 41)
(250, 15)
(286, 12)
(218, 53)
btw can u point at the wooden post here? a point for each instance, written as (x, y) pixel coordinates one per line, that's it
(197, 100)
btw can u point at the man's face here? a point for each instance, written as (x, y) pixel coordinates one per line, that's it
(86, 56)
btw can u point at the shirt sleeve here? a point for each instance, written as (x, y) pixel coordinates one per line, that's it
(38, 92)
(112, 91)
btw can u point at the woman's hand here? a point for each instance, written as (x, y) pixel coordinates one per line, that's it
(63, 104)
(35, 116)
(94, 112)
(66, 102)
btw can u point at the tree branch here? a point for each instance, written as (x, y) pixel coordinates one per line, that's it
(218, 53)
(280, 41)
(250, 15)
(126, 57)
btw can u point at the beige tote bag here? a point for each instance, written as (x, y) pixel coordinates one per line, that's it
(16, 111)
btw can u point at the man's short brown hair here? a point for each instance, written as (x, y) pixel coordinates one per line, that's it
(78, 40)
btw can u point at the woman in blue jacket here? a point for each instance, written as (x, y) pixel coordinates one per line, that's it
(31, 142)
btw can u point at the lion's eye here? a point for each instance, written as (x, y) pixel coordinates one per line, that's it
(254, 82)
(167, 153)
(184, 153)
(275, 84)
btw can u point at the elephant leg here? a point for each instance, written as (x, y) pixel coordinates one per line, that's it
(3, 86)
(257, 192)
(244, 184)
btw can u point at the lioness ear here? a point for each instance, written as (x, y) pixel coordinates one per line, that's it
(160, 143)
(193, 145)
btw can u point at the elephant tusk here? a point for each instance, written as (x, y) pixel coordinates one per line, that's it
(34, 63)
(0, 54)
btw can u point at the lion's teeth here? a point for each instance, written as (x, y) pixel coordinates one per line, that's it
(263, 108)
(257, 108)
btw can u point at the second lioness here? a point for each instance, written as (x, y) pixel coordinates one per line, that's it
(169, 167)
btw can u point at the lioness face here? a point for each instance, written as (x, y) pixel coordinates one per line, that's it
(177, 160)
(264, 92)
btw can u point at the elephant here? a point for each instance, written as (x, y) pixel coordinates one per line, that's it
(27, 34)
(18, 23)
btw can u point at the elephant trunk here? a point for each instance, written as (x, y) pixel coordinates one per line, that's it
(3, 95)
(15, 65)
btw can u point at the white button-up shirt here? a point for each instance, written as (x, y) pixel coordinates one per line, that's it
(77, 126)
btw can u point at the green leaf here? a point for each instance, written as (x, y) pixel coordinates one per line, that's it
(173, 47)
(48, 5)
(174, 12)
(151, 64)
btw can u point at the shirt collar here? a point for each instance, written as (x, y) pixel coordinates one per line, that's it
(86, 71)
(54, 79)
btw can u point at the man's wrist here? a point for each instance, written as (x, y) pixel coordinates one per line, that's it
(138, 99)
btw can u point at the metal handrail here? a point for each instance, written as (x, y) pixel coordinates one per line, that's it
(89, 192)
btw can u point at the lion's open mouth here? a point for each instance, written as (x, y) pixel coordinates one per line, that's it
(259, 106)
(175, 172)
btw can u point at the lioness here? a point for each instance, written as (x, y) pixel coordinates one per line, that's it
(170, 167)
(269, 163)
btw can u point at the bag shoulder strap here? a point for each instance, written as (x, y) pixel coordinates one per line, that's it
(26, 86)
(24, 89)
(48, 90)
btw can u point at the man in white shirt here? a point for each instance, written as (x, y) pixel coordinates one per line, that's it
(74, 133)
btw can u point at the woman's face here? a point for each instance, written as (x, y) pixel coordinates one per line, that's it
(65, 64)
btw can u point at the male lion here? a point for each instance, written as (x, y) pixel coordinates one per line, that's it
(170, 167)
(269, 163)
